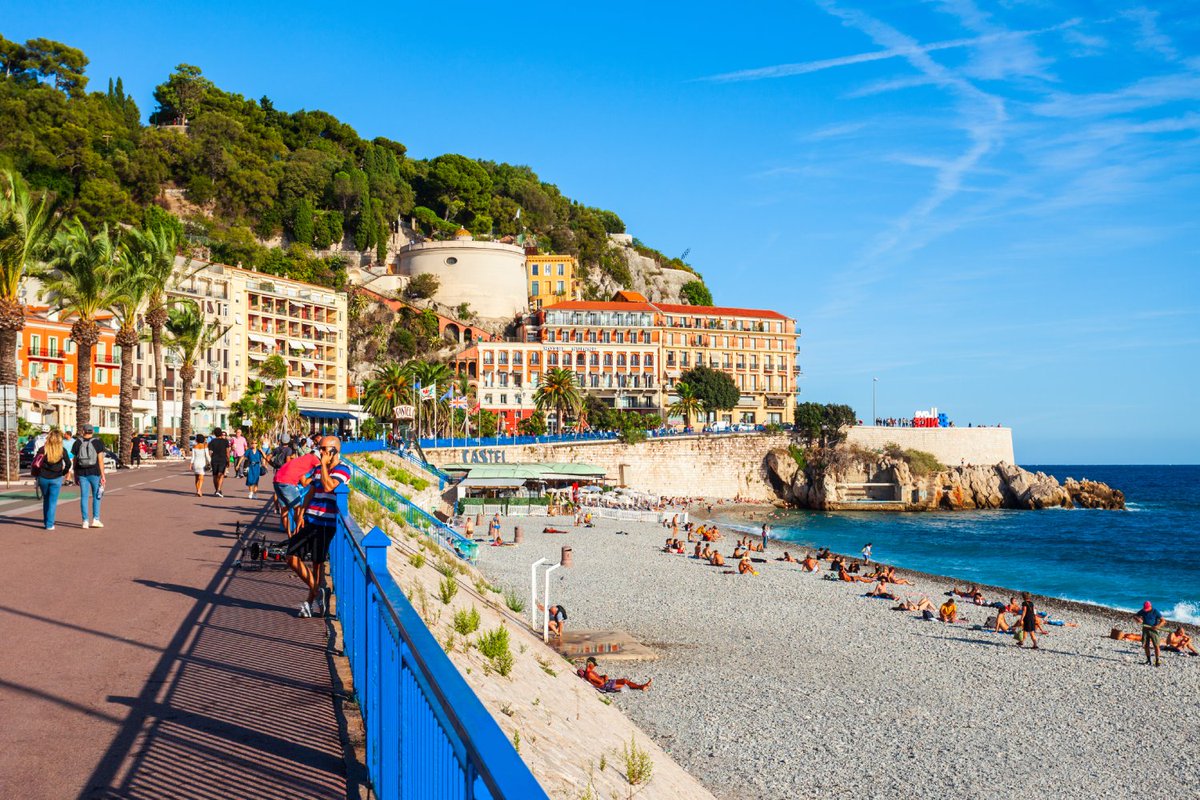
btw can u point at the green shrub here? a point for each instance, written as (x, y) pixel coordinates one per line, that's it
(417, 560)
(799, 456)
(466, 620)
(494, 646)
(923, 463)
(514, 601)
(447, 589)
(638, 766)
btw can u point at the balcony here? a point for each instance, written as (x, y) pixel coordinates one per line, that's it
(45, 354)
(107, 360)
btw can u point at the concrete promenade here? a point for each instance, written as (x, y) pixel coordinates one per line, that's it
(137, 663)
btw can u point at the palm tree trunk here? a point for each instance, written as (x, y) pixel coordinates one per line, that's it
(83, 385)
(128, 341)
(159, 388)
(9, 465)
(187, 374)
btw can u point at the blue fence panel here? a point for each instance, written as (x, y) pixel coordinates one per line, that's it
(428, 737)
(412, 458)
(363, 446)
(414, 515)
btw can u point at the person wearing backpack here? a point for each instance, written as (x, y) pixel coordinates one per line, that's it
(50, 464)
(88, 455)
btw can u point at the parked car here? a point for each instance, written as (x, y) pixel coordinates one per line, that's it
(25, 455)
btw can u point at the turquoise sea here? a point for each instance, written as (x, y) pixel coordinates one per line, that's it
(1114, 558)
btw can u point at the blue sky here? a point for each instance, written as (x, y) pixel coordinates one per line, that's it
(993, 209)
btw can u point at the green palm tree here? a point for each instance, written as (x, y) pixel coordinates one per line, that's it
(155, 248)
(249, 411)
(389, 387)
(133, 284)
(278, 408)
(81, 282)
(190, 336)
(688, 405)
(27, 225)
(559, 391)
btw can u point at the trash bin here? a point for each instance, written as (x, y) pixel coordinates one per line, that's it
(566, 559)
(518, 535)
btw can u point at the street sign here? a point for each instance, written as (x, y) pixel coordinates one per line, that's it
(405, 412)
(8, 407)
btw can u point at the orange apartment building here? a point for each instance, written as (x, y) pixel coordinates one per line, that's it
(630, 353)
(46, 376)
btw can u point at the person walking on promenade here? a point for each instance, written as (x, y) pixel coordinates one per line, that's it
(1152, 625)
(135, 451)
(218, 447)
(1029, 622)
(88, 455)
(330, 479)
(254, 468)
(69, 446)
(50, 464)
(291, 484)
(238, 445)
(201, 458)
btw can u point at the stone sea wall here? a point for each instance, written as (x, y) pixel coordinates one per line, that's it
(951, 446)
(713, 466)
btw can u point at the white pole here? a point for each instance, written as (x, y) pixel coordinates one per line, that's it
(546, 617)
(533, 591)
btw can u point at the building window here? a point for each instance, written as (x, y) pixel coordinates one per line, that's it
(649, 359)
(559, 288)
(503, 399)
(645, 337)
(635, 360)
(608, 359)
(534, 287)
(561, 272)
(620, 337)
(620, 359)
(534, 268)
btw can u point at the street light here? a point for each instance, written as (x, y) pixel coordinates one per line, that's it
(874, 413)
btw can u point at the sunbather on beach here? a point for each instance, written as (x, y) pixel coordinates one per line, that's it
(810, 564)
(915, 605)
(610, 684)
(706, 553)
(890, 574)
(717, 560)
(968, 593)
(697, 551)
(881, 590)
(787, 557)
(1180, 642)
(824, 553)
(739, 551)
(745, 567)
(848, 578)
(948, 612)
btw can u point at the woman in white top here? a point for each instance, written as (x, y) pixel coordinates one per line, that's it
(201, 459)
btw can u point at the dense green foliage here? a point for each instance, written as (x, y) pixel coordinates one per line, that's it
(240, 171)
(696, 293)
(713, 388)
(825, 424)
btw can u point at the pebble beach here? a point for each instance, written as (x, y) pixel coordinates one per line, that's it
(787, 685)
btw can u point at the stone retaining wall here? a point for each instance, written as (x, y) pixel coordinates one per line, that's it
(952, 446)
(712, 466)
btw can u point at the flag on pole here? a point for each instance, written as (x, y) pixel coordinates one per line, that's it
(459, 403)
(427, 392)
(449, 393)
(475, 408)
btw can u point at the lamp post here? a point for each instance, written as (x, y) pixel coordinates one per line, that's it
(874, 413)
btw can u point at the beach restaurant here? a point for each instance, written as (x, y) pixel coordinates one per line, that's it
(530, 484)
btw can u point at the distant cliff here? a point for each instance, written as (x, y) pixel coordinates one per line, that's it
(627, 266)
(855, 479)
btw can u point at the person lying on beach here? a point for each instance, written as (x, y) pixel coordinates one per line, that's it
(977, 598)
(848, 578)
(787, 557)
(948, 612)
(810, 564)
(745, 567)
(607, 684)
(965, 592)
(716, 559)
(550, 529)
(909, 604)
(1128, 637)
(1180, 642)
(890, 574)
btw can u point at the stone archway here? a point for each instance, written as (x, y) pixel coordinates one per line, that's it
(451, 331)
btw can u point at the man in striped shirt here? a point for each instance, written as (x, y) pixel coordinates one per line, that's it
(326, 481)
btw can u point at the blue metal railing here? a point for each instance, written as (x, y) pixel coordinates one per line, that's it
(412, 458)
(363, 446)
(590, 436)
(414, 515)
(428, 736)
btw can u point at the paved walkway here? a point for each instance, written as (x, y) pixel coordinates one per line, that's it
(137, 663)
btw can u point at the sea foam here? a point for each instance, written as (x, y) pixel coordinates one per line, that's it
(1185, 612)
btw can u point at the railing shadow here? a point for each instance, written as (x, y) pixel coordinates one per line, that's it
(238, 705)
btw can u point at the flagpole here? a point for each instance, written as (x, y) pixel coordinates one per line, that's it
(435, 405)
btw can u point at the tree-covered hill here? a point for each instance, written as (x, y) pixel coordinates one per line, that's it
(242, 173)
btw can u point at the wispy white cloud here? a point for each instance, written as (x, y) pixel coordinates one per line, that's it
(1145, 93)
(906, 49)
(892, 85)
(838, 131)
(1149, 36)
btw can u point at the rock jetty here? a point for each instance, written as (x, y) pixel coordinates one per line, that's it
(839, 479)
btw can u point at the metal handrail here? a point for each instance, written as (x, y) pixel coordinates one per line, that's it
(427, 733)
(442, 476)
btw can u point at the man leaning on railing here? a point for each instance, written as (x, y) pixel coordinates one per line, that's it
(318, 523)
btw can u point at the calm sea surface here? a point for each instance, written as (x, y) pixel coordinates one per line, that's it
(1113, 558)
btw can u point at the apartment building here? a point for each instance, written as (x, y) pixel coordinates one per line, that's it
(630, 353)
(757, 348)
(552, 278)
(46, 371)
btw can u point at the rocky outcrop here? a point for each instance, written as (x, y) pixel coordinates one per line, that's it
(859, 480)
(646, 276)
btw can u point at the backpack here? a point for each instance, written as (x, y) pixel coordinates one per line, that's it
(36, 467)
(279, 456)
(87, 454)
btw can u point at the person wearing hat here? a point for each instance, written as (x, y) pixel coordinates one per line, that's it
(1152, 625)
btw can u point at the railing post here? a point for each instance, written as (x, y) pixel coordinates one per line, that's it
(375, 545)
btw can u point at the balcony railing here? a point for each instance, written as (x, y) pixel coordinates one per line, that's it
(52, 354)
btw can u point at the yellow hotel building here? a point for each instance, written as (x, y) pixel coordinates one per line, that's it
(551, 279)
